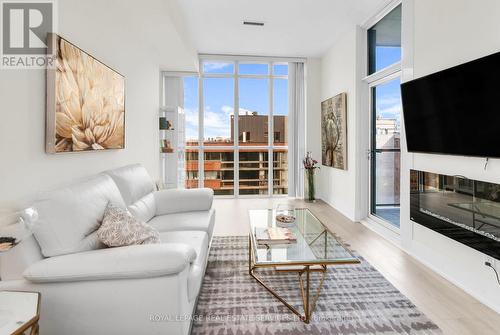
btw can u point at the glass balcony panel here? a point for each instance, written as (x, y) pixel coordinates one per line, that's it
(387, 186)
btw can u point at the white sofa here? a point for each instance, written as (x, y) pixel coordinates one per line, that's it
(89, 289)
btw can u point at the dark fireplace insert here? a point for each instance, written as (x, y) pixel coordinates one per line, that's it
(465, 210)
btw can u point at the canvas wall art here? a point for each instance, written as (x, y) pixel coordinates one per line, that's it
(334, 132)
(85, 101)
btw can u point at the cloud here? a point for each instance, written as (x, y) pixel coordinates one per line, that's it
(215, 123)
(210, 67)
(230, 110)
(215, 120)
(388, 100)
(392, 110)
(191, 115)
(227, 109)
(389, 106)
(191, 123)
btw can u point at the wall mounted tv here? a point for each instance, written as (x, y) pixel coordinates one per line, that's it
(455, 111)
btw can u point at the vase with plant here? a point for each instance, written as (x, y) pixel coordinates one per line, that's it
(310, 166)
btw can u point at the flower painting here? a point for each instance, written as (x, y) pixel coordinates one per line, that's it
(334, 132)
(85, 101)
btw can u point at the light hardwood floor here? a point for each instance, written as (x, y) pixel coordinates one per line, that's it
(453, 310)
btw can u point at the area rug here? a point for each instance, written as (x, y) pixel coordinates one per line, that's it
(356, 299)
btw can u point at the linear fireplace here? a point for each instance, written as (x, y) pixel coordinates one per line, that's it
(465, 210)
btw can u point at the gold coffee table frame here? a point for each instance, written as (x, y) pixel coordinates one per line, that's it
(303, 269)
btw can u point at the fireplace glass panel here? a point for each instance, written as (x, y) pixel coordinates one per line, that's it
(460, 208)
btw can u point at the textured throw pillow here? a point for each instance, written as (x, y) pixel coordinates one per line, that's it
(119, 228)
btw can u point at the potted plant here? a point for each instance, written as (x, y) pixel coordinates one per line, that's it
(310, 167)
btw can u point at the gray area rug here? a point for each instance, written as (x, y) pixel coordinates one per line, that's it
(356, 299)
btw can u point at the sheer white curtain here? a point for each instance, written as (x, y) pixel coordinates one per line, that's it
(297, 123)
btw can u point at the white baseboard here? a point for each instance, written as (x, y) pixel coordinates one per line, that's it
(383, 231)
(452, 280)
(392, 237)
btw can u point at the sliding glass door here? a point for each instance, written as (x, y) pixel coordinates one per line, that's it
(237, 128)
(384, 80)
(385, 154)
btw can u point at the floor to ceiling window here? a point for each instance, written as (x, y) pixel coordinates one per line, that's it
(384, 78)
(237, 127)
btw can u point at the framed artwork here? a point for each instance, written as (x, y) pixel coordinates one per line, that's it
(334, 132)
(85, 101)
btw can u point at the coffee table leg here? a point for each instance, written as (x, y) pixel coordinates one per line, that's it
(34, 329)
(305, 292)
(249, 255)
(307, 312)
(308, 307)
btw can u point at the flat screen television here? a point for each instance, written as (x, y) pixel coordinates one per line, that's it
(455, 111)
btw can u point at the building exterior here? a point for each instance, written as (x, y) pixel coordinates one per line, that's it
(388, 163)
(253, 166)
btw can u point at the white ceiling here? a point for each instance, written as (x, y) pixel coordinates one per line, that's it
(293, 28)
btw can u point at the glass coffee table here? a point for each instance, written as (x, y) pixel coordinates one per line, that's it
(315, 249)
(19, 311)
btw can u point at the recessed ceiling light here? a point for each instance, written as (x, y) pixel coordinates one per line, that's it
(253, 23)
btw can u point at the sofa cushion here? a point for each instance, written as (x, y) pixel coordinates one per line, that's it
(119, 228)
(199, 220)
(135, 261)
(172, 201)
(144, 209)
(133, 181)
(198, 240)
(69, 217)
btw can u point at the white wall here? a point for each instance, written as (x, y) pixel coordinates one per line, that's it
(135, 38)
(443, 33)
(448, 33)
(338, 75)
(313, 104)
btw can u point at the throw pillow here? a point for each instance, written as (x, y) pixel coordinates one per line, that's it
(119, 228)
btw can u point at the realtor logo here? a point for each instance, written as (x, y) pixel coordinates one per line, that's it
(25, 25)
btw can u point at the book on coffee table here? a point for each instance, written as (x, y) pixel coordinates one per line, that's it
(275, 235)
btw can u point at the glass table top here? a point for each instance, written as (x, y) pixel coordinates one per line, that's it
(16, 309)
(314, 245)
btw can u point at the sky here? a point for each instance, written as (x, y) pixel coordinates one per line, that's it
(254, 94)
(388, 95)
(219, 97)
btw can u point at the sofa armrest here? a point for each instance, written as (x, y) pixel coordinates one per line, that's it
(137, 261)
(181, 200)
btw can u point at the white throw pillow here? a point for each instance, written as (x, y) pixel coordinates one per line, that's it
(119, 228)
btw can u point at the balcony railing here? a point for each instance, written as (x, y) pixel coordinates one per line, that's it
(228, 184)
(217, 165)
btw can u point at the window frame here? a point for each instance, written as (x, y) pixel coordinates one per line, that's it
(367, 83)
(369, 24)
(371, 186)
(270, 147)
